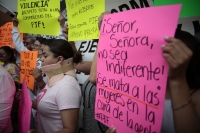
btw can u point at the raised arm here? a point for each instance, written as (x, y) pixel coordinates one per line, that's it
(19, 45)
(61, 20)
(186, 118)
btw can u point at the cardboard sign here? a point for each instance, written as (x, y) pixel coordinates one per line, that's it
(25, 106)
(6, 35)
(131, 71)
(28, 63)
(190, 8)
(39, 17)
(83, 18)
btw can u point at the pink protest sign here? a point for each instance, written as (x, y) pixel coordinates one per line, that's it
(131, 71)
(24, 115)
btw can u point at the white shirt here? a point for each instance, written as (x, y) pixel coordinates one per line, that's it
(65, 94)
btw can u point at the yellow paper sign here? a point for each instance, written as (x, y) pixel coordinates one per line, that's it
(27, 64)
(6, 35)
(83, 18)
(39, 16)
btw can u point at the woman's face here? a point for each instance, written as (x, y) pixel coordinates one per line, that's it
(47, 57)
(37, 46)
(4, 57)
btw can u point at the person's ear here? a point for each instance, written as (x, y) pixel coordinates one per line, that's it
(60, 59)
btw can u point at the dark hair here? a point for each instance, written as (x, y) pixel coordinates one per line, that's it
(41, 40)
(60, 47)
(10, 52)
(193, 69)
(32, 37)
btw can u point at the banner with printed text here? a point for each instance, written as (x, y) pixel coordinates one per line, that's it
(83, 18)
(39, 17)
(6, 35)
(131, 71)
(27, 64)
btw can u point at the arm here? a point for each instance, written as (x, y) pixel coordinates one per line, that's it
(83, 66)
(37, 74)
(61, 20)
(34, 105)
(93, 70)
(69, 120)
(19, 46)
(178, 56)
(68, 101)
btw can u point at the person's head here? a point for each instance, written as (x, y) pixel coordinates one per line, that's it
(7, 55)
(29, 41)
(58, 50)
(193, 69)
(39, 42)
(100, 19)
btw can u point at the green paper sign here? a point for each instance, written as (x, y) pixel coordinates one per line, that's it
(189, 7)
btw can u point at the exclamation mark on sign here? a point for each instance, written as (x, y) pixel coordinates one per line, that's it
(43, 24)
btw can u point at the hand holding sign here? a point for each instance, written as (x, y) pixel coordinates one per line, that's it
(15, 21)
(61, 19)
(178, 56)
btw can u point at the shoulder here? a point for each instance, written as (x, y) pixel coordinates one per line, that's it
(12, 65)
(68, 83)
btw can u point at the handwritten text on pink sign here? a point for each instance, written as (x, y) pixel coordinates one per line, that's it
(131, 71)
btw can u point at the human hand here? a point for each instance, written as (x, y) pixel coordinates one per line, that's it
(178, 56)
(111, 130)
(15, 21)
(37, 74)
(61, 19)
(18, 94)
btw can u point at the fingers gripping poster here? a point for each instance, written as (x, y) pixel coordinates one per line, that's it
(131, 71)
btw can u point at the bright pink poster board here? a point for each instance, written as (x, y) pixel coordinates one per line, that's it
(131, 71)
(24, 115)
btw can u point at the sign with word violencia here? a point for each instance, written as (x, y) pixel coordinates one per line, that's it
(39, 17)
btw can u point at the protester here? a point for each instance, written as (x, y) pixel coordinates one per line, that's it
(7, 92)
(62, 90)
(83, 66)
(7, 57)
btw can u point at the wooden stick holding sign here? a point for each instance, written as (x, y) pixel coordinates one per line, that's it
(131, 72)
(27, 64)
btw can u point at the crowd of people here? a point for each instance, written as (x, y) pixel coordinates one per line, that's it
(58, 96)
